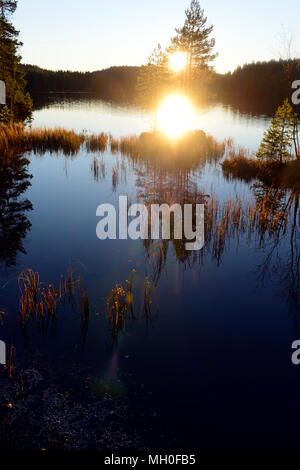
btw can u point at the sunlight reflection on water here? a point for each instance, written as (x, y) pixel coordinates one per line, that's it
(96, 115)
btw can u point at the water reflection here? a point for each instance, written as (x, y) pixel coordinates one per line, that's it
(281, 259)
(14, 224)
(87, 112)
(269, 223)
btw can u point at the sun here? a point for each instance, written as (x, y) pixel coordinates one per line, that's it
(178, 61)
(175, 116)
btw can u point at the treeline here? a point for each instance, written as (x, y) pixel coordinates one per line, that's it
(259, 85)
(115, 83)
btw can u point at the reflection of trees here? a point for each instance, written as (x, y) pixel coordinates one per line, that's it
(290, 276)
(14, 225)
(158, 185)
(271, 223)
(282, 260)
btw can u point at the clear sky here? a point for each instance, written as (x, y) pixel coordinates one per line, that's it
(95, 34)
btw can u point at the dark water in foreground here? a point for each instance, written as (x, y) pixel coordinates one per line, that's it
(210, 365)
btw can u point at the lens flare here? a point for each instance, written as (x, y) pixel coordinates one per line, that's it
(175, 116)
(178, 61)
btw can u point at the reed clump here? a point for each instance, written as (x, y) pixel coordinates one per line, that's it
(239, 164)
(41, 300)
(119, 304)
(114, 144)
(181, 153)
(96, 142)
(16, 138)
(53, 140)
(11, 139)
(36, 300)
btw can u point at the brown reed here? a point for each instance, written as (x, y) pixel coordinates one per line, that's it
(96, 142)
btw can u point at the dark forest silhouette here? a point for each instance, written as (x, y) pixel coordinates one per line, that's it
(256, 88)
(115, 83)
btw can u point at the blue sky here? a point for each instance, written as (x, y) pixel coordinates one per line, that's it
(95, 34)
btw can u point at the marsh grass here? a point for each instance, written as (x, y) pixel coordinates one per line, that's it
(114, 144)
(11, 140)
(41, 300)
(16, 138)
(241, 165)
(95, 142)
(182, 153)
(95, 169)
(119, 305)
(53, 140)
(36, 300)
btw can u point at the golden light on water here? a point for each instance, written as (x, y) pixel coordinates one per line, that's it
(175, 116)
(178, 61)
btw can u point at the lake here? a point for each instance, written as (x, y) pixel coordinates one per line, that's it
(207, 363)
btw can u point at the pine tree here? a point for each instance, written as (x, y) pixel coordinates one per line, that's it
(18, 101)
(282, 133)
(194, 39)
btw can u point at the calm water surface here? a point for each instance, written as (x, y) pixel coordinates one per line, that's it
(211, 364)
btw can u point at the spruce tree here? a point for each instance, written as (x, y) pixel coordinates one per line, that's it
(18, 102)
(282, 133)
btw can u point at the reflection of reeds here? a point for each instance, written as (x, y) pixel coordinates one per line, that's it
(98, 169)
(115, 178)
(84, 299)
(53, 140)
(229, 219)
(102, 166)
(182, 153)
(266, 216)
(16, 138)
(95, 168)
(11, 139)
